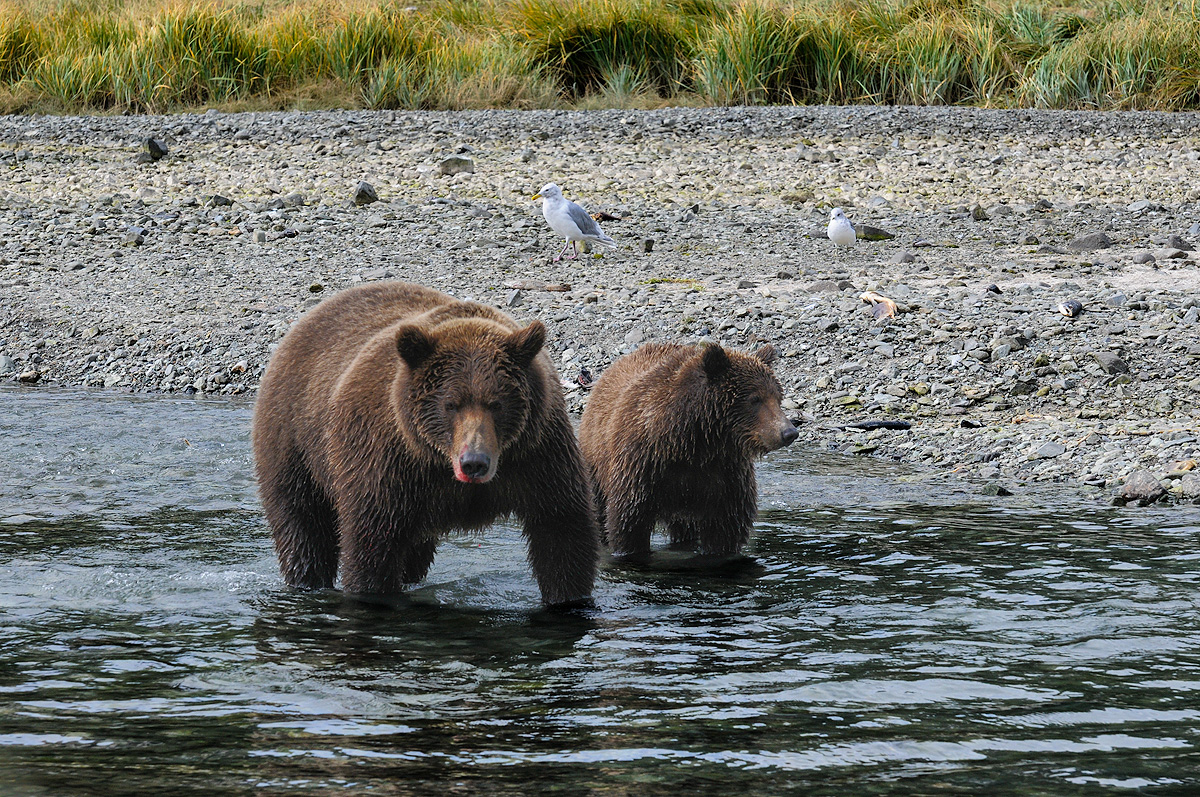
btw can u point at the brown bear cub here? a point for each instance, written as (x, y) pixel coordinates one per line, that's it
(392, 414)
(671, 433)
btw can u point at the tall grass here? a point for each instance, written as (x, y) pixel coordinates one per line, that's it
(750, 56)
(1144, 61)
(584, 43)
(19, 43)
(160, 55)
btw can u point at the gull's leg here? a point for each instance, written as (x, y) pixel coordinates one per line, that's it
(558, 257)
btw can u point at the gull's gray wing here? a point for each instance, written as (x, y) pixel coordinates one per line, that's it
(586, 224)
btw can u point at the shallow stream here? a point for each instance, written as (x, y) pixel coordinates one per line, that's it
(894, 635)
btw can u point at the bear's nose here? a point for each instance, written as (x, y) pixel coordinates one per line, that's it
(789, 434)
(475, 464)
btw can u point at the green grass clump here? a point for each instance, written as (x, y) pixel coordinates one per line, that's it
(19, 43)
(1147, 60)
(360, 44)
(750, 56)
(592, 45)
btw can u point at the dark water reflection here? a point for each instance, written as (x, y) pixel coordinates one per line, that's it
(893, 635)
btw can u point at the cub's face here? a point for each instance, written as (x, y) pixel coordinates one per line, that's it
(753, 397)
(470, 392)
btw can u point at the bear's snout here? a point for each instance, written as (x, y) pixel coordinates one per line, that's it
(774, 429)
(473, 466)
(788, 433)
(476, 448)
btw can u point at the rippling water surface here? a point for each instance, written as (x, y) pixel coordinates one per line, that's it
(892, 635)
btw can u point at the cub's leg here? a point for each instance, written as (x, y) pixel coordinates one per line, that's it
(724, 530)
(684, 534)
(628, 527)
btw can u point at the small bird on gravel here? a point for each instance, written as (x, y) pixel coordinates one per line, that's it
(570, 221)
(840, 230)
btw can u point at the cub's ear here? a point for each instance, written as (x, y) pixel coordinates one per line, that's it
(414, 346)
(768, 354)
(524, 344)
(715, 361)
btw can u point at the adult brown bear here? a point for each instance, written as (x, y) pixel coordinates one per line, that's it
(671, 433)
(392, 414)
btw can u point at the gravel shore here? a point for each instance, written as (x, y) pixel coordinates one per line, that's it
(180, 274)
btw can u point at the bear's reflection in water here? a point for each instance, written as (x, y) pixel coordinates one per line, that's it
(327, 626)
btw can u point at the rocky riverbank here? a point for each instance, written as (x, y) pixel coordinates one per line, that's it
(179, 274)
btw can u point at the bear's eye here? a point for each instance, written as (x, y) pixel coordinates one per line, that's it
(756, 400)
(494, 406)
(451, 406)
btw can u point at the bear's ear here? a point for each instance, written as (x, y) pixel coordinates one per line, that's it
(715, 361)
(414, 346)
(524, 344)
(768, 354)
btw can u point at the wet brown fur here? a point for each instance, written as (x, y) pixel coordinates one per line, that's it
(671, 433)
(365, 417)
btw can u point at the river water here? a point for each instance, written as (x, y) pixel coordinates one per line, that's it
(893, 634)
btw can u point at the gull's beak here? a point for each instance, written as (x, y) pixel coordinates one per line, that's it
(536, 197)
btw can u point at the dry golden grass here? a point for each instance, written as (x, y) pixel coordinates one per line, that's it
(150, 55)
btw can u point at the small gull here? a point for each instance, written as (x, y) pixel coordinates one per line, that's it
(570, 221)
(840, 230)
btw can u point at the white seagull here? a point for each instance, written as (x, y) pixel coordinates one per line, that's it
(570, 221)
(840, 230)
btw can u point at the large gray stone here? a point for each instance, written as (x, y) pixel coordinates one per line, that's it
(456, 164)
(868, 233)
(1143, 488)
(1176, 242)
(364, 194)
(156, 149)
(1189, 487)
(1091, 242)
(1049, 450)
(1111, 363)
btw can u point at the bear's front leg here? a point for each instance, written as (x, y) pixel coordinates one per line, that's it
(561, 532)
(563, 548)
(731, 507)
(302, 520)
(380, 553)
